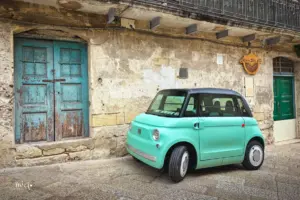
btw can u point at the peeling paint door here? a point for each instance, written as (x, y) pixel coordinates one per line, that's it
(51, 90)
(71, 90)
(33, 96)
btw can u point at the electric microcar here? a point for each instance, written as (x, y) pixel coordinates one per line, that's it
(196, 128)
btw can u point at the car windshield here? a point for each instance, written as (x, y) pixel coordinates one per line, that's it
(167, 103)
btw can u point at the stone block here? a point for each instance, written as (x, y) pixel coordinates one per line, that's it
(110, 131)
(121, 148)
(81, 155)
(75, 149)
(104, 120)
(46, 160)
(120, 119)
(54, 151)
(160, 61)
(129, 116)
(88, 142)
(100, 153)
(259, 116)
(27, 151)
(106, 143)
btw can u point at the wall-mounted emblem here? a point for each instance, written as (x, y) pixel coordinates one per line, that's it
(251, 63)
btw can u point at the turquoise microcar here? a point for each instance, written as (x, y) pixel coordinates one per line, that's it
(196, 128)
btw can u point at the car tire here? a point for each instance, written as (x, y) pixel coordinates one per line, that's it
(254, 156)
(178, 164)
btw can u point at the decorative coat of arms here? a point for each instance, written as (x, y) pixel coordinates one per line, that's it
(251, 63)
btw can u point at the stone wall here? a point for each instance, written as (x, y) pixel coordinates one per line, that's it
(6, 96)
(126, 70)
(297, 96)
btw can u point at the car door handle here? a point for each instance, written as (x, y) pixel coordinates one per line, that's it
(196, 125)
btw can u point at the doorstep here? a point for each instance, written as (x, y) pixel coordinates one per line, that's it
(287, 142)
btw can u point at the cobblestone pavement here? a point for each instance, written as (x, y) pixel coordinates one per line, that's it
(279, 178)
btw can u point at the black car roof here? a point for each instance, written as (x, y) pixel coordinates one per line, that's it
(208, 91)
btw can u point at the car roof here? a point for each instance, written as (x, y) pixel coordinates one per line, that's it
(208, 91)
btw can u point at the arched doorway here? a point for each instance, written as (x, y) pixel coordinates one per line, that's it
(284, 103)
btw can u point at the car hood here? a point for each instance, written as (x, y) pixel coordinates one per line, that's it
(157, 121)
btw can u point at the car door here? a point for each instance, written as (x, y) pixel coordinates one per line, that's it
(222, 131)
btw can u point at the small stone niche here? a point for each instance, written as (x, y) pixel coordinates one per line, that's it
(183, 73)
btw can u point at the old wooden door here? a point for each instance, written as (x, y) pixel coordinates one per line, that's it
(51, 90)
(283, 98)
(71, 90)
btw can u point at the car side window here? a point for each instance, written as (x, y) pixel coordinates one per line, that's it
(218, 105)
(191, 109)
(242, 108)
(173, 103)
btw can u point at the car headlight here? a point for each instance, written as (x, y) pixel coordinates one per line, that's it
(155, 135)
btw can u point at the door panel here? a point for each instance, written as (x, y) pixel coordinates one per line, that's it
(283, 98)
(34, 96)
(71, 94)
(276, 113)
(221, 137)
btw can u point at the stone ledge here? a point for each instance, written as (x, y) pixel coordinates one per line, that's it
(27, 151)
(54, 151)
(45, 160)
(64, 144)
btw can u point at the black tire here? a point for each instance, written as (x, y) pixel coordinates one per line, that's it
(247, 163)
(175, 163)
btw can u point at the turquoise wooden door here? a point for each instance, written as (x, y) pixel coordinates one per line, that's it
(50, 104)
(283, 98)
(71, 90)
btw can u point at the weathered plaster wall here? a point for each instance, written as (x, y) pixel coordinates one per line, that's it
(6, 95)
(126, 69)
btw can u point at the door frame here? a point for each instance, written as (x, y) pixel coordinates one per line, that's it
(283, 122)
(51, 39)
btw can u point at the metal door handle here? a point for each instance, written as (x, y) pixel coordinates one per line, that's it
(55, 80)
(196, 125)
(50, 81)
(60, 80)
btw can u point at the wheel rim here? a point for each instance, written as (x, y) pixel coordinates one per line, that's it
(184, 164)
(256, 155)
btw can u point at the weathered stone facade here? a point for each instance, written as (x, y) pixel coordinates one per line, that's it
(6, 96)
(126, 70)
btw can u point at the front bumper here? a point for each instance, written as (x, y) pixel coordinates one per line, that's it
(140, 153)
(144, 150)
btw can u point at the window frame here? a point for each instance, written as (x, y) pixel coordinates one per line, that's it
(246, 106)
(235, 102)
(186, 103)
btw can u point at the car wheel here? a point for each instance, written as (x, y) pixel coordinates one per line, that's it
(254, 156)
(179, 163)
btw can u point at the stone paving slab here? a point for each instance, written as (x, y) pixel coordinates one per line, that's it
(126, 179)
